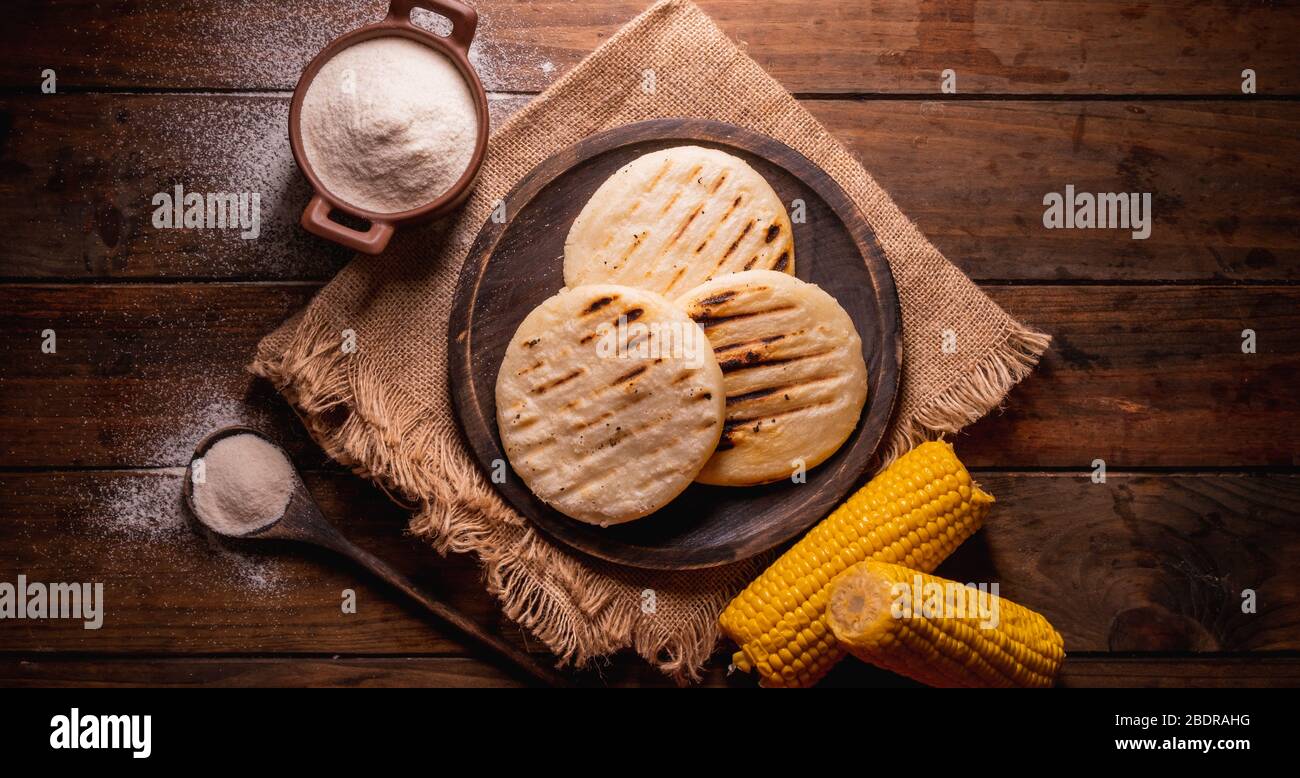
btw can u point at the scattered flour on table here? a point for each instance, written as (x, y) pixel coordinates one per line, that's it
(185, 415)
(241, 144)
(499, 61)
(245, 45)
(146, 509)
(236, 44)
(142, 514)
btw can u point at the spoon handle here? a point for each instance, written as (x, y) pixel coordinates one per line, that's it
(466, 626)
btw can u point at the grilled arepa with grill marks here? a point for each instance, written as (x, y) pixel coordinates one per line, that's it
(609, 401)
(792, 367)
(673, 219)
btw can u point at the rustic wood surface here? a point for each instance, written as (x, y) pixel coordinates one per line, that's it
(1089, 47)
(1143, 574)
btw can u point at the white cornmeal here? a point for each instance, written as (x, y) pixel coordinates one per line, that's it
(388, 124)
(246, 484)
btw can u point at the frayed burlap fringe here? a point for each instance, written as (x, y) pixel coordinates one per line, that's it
(358, 422)
(972, 396)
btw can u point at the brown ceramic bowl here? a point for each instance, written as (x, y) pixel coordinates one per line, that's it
(316, 218)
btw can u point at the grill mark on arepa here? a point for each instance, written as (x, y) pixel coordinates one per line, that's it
(629, 375)
(671, 201)
(683, 226)
(782, 261)
(598, 458)
(746, 343)
(636, 244)
(787, 388)
(709, 238)
(564, 379)
(595, 394)
(717, 184)
(677, 277)
(591, 486)
(630, 315)
(668, 163)
(733, 424)
(753, 359)
(520, 423)
(712, 321)
(612, 473)
(772, 232)
(717, 299)
(628, 402)
(599, 454)
(526, 451)
(757, 394)
(530, 368)
(621, 434)
(733, 245)
(599, 303)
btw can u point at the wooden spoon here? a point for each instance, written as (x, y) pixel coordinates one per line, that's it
(302, 521)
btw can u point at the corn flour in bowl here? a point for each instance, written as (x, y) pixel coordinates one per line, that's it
(388, 125)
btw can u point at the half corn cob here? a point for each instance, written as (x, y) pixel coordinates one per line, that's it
(915, 512)
(940, 632)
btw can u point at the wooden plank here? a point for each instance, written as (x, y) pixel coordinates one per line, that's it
(81, 173)
(1140, 376)
(79, 185)
(139, 374)
(893, 46)
(435, 672)
(1145, 562)
(1181, 672)
(973, 175)
(439, 672)
(171, 587)
(1148, 376)
(1141, 563)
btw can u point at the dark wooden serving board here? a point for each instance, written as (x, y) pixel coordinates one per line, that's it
(515, 265)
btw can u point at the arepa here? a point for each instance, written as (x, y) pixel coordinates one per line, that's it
(609, 401)
(675, 218)
(793, 371)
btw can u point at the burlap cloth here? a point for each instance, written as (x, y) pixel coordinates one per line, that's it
(384, 409)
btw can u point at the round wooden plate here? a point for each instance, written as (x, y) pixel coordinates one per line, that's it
(515, 265)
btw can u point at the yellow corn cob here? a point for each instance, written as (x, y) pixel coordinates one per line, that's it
(915, 512)
(940, 632)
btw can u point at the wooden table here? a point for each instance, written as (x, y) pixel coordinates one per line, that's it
(1142, 574)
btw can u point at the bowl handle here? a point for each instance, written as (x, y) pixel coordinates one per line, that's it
(316, 220)
(463, 18)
